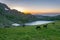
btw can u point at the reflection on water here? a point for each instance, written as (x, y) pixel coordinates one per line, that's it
(38, 22)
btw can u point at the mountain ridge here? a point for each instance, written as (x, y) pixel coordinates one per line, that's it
(9, 16)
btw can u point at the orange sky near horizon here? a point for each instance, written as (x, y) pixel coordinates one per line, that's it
(25, 10)
(42, 11)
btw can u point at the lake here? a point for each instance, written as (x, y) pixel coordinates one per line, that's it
(33, 23)
(38, 22)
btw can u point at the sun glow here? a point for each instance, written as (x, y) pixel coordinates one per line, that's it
(18, 8)
(26, 11)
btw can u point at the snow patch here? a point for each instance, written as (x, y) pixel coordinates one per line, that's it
(6, 9)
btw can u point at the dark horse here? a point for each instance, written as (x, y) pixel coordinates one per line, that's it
(45, 26)
(38, 27)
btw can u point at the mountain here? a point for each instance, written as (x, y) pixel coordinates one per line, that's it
(48, 16)
(9, 16)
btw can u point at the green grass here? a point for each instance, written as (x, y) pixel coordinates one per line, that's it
(30, 33)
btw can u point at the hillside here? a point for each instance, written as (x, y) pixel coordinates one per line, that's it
(30, 33)
(9, 16)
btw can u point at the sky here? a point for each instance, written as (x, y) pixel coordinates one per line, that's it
(34, 6)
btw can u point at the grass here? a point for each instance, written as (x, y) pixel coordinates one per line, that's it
(30, 33)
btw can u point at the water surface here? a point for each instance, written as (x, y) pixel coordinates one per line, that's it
(38, 22)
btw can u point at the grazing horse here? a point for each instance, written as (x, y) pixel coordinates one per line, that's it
(45, 26)
(38, 27)
(53, 23)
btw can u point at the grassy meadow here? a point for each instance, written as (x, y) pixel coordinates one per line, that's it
(31, 33)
